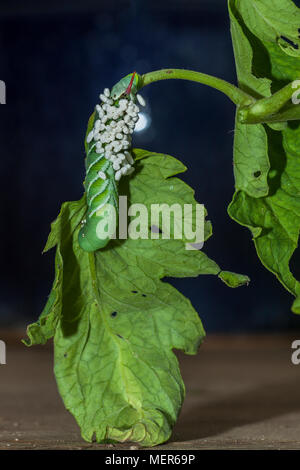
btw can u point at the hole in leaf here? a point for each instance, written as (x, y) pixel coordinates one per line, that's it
(65, 355)
(144, 295)
(291, 43)
(114, 314)
(257, 174)
(155, 229)
(134, 291)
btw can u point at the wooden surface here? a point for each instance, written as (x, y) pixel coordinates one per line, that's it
(243, 392)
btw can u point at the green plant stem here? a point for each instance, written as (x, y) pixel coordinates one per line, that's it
(239, 97)
(289, 113)
(272, 109)
(252, 111)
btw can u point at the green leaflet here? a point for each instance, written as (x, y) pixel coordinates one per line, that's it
(250, 147)
(251, 161)
(271, 211)
(115, 323)
(233, 279)
(244, 53)
(276, 22)
(61, 233)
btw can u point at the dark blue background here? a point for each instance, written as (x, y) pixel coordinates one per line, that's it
(55, 59)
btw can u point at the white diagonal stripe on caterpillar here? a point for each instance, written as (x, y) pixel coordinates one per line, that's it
(94, 163)
(90, 201)
(97, 177)
(100, 206)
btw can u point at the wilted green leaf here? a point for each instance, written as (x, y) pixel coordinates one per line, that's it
(116, 322)
(271, 207)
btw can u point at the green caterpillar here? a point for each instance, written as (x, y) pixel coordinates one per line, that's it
(108, 158)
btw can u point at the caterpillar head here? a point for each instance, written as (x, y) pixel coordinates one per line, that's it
(128, 85)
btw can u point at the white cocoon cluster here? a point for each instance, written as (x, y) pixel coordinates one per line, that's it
(112, 131)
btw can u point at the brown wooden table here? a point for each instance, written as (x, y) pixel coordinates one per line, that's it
(243, 392)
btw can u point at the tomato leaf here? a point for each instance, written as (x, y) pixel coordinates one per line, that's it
(267, 161)
(115, 323)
